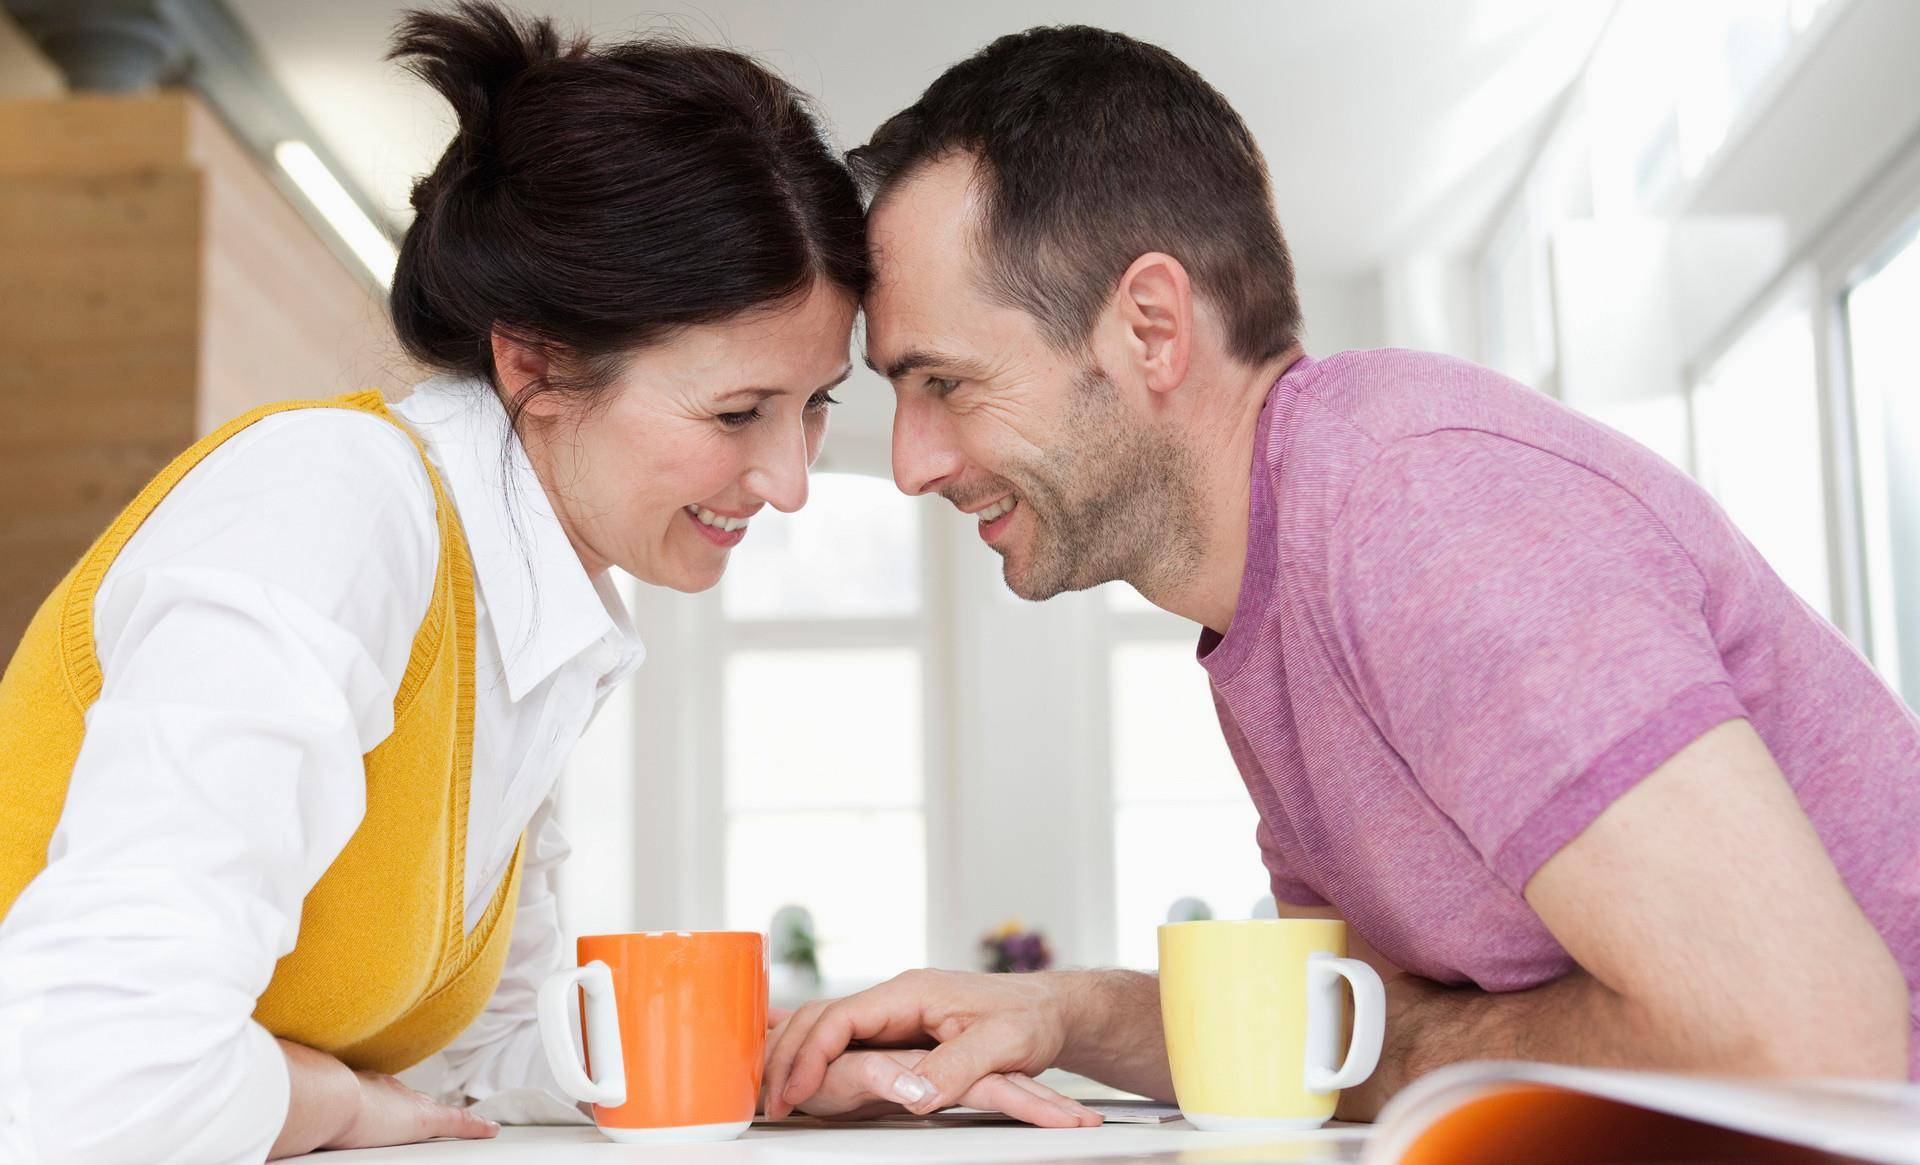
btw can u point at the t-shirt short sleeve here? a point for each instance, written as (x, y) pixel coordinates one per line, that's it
(1529, 637)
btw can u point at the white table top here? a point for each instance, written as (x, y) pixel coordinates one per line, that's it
(1176, 1141)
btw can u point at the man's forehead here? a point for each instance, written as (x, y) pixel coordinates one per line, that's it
(920, 236)
(927, 221)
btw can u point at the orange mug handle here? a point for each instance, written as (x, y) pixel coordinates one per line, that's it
(601, 1022)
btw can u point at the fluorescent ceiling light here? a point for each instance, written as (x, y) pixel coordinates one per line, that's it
(368, 242)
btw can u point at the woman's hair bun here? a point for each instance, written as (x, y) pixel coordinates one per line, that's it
(600, 197)
(471, 53)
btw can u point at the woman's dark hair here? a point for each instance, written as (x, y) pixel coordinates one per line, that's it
(1093, 149)
(597, 197)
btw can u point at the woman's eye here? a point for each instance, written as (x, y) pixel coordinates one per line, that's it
(821, 400)
(738, 420)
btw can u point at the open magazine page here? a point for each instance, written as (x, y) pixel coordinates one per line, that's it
(1500, 1111)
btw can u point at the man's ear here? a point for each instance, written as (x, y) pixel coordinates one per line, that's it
(1155, 304)
(521, 366)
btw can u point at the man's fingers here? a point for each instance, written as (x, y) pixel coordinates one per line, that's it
(957, 1065)
(777, 1016)
(825, 1040)
(780, 1059)
(876, 1012)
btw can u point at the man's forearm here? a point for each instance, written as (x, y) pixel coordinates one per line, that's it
(1113, 1030)
(1575, 1019)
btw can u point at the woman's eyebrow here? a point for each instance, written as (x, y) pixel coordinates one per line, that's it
(758, 393)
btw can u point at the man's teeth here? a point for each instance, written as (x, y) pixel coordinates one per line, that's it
(1003, 506)
(707, 517)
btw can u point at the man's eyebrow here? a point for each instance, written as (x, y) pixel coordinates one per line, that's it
(914, 359)
(759, 393)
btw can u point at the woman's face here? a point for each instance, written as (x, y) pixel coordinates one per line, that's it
(696, 435)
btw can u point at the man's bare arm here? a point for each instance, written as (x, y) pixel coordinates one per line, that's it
(1712, 932)
(1113, 1030)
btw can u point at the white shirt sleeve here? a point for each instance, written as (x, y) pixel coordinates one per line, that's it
(500, 1051)
(252, 636)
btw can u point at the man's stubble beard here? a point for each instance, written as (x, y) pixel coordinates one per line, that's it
(1113, 499)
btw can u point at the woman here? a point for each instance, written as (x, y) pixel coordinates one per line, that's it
(281, 749)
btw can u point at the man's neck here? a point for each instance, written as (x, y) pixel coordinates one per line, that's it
(1223, 439)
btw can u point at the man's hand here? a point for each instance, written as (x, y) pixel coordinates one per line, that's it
(334, 1107)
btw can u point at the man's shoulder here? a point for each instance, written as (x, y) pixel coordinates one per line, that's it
(1388, 394)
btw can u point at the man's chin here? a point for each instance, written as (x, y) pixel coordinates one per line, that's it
(1026, 583)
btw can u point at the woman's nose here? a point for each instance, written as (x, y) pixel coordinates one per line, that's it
(779, 473)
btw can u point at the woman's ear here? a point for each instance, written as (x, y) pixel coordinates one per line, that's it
(521, 366)
(1155, 304)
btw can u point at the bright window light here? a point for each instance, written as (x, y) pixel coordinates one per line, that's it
(368, 242)
(1756, 417)
(1183, 823)
(1885, 351)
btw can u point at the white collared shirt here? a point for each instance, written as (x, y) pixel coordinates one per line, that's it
(252, 635)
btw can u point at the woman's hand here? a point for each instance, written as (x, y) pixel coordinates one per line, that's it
(860, 1085)
(333, 1107)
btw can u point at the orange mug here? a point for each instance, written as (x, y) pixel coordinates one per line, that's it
(674, 1028)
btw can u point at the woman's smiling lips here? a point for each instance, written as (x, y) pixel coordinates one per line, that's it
(720, 529)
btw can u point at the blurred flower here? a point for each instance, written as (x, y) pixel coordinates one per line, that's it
(1012, 947)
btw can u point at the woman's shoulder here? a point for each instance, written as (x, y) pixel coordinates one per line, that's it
(343, 447)
(327, 504)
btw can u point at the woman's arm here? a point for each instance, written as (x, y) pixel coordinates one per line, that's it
(501, 1049)
(330, 1106)
(252, 637)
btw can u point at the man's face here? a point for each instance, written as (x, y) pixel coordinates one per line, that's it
(1073, 486)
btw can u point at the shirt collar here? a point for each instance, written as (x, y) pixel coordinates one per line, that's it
(545, 609)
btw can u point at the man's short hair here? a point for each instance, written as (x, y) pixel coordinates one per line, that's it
(1093, 149)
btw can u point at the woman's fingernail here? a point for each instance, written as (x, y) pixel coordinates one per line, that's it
(911, 1089)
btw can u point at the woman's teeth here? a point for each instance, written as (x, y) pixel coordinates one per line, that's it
(707, 517)
(1003, 506)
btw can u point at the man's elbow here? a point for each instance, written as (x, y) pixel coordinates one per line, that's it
(1861, 1033)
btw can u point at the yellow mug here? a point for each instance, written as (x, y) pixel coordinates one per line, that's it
(1253, 1015)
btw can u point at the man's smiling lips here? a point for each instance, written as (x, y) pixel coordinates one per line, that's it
(994, 516)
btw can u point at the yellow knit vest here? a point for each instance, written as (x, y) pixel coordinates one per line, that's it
(384, 973)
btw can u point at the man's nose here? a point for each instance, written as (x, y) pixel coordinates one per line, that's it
(925, 454)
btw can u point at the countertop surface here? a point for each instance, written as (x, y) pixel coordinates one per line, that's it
(1175, 1141)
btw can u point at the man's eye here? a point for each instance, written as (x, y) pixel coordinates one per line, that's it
(941, 386)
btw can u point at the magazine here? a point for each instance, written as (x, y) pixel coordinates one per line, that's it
(1501, 1112)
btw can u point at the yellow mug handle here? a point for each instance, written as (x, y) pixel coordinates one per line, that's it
(1369, 1020)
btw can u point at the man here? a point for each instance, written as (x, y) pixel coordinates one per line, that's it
(1511, 695)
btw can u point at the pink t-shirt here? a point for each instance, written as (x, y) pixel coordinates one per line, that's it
(1470, 619)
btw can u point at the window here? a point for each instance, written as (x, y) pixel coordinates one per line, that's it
(1183, 823)
(1756, 422)
(849, 553)
(1884, 346)
(1669, 81)
(823, 760)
